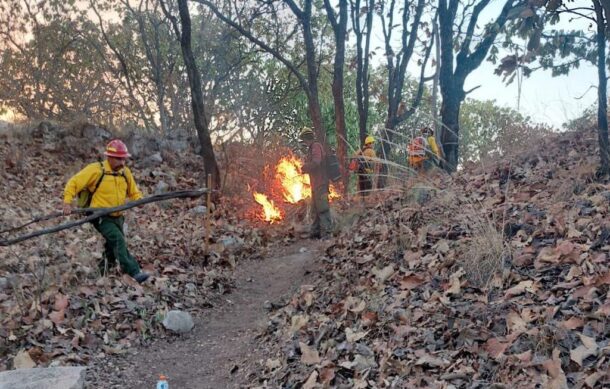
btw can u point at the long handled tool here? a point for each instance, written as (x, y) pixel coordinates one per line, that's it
(94, 213)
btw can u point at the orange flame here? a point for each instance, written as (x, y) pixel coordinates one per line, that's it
(295, 184)
(271, 213)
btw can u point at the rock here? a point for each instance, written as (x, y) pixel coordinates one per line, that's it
(267, 305)
(303, 250)
(178, 321)
(199, 210)
(94, 133)
(3, 283)
(44, 378)
(231, 243)
(153, 160)
(161, 187)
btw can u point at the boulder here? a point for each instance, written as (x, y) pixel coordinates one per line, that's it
(161, 187)
(199, 210)
(44, 378)
(153, 160)
(4, 284)
(178, 321)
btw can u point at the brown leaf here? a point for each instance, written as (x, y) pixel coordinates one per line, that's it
(61, 302)
(558, 378)
(573, 323)
(582, 352)
(495, 348)
(327, 375)
(604, 310)
(311, 381)
(411, 281)
(520, 288)
(23, 360)
(57, 317)
(309, 356)
(515, 323)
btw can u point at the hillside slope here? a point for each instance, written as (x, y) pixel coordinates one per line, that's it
(497, 277)
(54, 308)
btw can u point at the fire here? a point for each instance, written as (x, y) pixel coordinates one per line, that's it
(271, 213)
(295, 184)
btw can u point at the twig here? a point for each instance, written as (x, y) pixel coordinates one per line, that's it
(97, 212)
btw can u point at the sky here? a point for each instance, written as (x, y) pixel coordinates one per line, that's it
(544, 98)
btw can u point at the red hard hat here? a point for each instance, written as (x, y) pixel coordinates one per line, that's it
(116, 149)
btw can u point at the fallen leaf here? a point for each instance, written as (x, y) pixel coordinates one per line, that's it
(520, 288)
(515, 323)
(354, 304)
(411, 281)
(309, 356)
(383, 274)
(61, 302)
(311, 381)
(23, 360)
(558, 377)
(573, 323)
(353, 336)
(298, 322)
(495, 348)
(57, 317)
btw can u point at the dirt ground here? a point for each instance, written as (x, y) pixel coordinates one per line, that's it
(218, 352)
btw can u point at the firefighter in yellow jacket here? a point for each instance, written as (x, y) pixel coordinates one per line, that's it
(104, 185)
(423, 151)
(363, 164)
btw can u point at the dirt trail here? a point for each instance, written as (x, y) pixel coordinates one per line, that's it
(223, 338)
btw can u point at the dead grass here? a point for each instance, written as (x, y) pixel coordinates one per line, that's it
(485, 255)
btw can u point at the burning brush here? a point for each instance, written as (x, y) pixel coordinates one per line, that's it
(294, 187)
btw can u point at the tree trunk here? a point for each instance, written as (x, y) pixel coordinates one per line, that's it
(201, 123)
(340, 30)
(602, 98)
(450, 114)
(362, 64)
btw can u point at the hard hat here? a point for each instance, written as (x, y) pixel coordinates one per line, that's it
(306, 132)
(116, 149)
(428, 130)
(369, 140)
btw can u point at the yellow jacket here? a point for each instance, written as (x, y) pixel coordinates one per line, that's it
(114, 188)
(434, 146)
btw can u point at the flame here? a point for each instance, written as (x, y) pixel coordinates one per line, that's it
(271, 213)
(333, 193)
(295, 184)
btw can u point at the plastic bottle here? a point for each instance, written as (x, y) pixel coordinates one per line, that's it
(162, 383)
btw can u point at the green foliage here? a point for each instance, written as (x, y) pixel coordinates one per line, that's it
(488, 130)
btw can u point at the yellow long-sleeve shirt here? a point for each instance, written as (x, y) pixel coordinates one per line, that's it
(113, 191)
(434, 146)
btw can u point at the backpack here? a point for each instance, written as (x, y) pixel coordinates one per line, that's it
(418, 147)
(85, 196)
(333, 168)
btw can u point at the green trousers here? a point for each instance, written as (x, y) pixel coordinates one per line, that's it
(322, 224)
(115, 247)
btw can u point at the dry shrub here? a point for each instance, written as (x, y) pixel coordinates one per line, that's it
(485, 255)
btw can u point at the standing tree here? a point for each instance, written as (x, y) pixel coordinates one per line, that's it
(459, 58)
(561, 51)
(397, 61)
(363, 48)
(183, 32)
(340, 29)
(245, 21)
